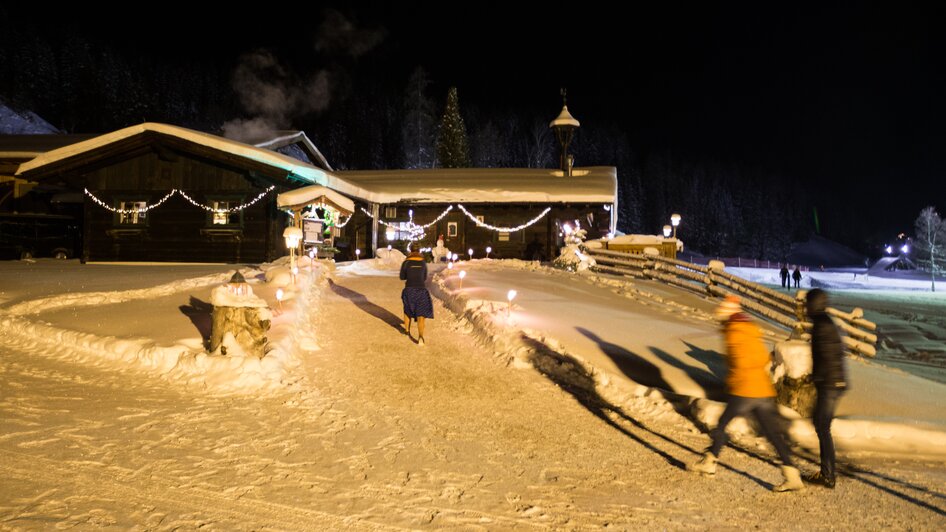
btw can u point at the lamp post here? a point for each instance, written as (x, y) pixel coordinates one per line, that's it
(488, 250)
(667, 230)
(462, 275)
(675, 220)
(357, 254)
(470, 253)
(509, 297)
(565, 126)
(293, 236)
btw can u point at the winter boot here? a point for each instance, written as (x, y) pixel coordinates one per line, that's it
(792, 480)
(819, 479)
(705, 466)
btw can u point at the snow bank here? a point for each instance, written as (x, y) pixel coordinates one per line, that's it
(185, 362)
(522, 347)
(386, 262)
(80, 299)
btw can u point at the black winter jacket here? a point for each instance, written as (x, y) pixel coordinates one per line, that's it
(827, 353)
(414, 271)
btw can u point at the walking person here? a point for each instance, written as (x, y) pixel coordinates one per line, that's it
(830, 377)
(796, 276)
(783, 273)
(750, 390)
(414, 296)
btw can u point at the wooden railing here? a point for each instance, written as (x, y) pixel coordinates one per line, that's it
(783, 309)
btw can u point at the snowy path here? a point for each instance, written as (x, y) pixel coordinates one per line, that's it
(382, 434)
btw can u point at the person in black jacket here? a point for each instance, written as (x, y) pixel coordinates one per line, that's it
(414, 296)
(830, 377)
(783, 273)
(796, 276)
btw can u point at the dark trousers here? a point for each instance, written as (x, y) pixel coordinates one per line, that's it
(784, 282)
(825, 406)
(765, 412)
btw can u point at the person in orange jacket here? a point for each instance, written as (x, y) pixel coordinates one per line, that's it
(750, 390)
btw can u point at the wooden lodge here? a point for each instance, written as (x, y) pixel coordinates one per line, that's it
(155, 192)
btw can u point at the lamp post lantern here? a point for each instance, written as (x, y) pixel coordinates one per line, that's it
(675, 220)
(564, 126)
(667, 230)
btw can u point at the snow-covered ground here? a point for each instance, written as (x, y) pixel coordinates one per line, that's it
(495, 424)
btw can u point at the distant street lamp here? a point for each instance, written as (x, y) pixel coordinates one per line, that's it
(675, 221)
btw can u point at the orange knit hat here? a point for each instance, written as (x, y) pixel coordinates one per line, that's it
(727, 308)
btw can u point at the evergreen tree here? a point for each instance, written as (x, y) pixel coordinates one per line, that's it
(418, 128)
(931, 242)
(453, 148)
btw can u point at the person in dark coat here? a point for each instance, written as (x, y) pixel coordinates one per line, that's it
(829, 374)
(796, 276)
(783, 273)
(414, 296)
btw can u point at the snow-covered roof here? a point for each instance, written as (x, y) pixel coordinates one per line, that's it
(296, 168)
(286, 138)
(22, 122)
(307, 195)
(486, 185)
(565, 119)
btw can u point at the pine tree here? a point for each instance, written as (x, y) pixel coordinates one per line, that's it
(453, 148)
(418, 128)
(931, 242)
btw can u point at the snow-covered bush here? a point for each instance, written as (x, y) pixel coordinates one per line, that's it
(571, 258)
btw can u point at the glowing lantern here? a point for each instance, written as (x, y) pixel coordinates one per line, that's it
(488, 250)
(509, 297)
(667, 231)
(237, 285)
(462, 275)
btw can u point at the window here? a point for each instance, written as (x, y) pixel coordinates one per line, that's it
(136, 217)
(452, 229)
(221, 217)
(398, 231)
(390, 212)
(503, 237)
(480, 219)
(221, 214)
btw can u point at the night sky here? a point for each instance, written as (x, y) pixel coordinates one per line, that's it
(845, 100)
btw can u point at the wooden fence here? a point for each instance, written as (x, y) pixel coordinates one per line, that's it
(783, 309)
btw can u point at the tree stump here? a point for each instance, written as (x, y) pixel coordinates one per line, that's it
(793, 384)
(244, 317)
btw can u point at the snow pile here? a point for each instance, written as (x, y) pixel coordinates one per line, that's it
(221, 296)
(792, 359)
(386, 262)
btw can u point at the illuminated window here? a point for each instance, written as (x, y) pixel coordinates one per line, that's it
(503, 237)
(136, 217)
(390, 212)
(222, 215)
(452, 229)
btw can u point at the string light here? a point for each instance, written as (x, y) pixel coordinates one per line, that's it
(130, 211)
(185, 196)
(503, 229)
